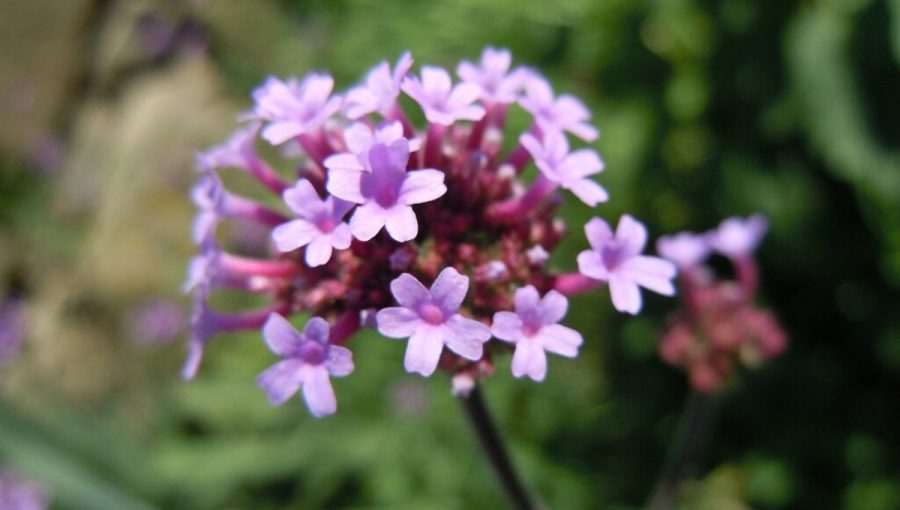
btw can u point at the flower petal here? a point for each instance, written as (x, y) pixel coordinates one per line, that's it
(397, 322)
(346, 184)
(280, 335)
(409, 292)
(317, 391)
(449, 290)
(422, 186)
(527, 300)
(507, 326)
(318, 252)
(367, 221)
(304, 200)
(424, 351)
(597, 232)
(466, 337)
(587, 191)
(561, 340)
(553, 307)
(281, 380)
(653, 273)
(340, 361)
(294, 234)
(529, 358)
(626, 297)
(590, 264)
(401, 223)
(632, 234)
(317, 330)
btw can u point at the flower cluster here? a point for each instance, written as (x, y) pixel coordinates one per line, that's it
(426, 234)
(718, 324)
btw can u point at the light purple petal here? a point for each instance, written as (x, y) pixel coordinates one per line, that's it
(367, 221)
(318, 251)
(358, 137)
(317, 392)
(653, 273)
(552, 308)
(597, 232)
(529, 358)
(409, 292)
(280, 336)
(317, 330)
(436, 81)
(685, 249)
(341, 237)
(294, 234)
(303, 199)
(507, 326)
(400, 222)
(632, 234)
(527, 301)
(737, 237)
(397, 322)
(340, 361)
(423, 352)
(561, 340)
(277, 133)
(588, 191)
(626, 297)
(422, 186)
(449, 290)
(466, 337)
(590, 263)
(194, 357)
(463, 95)
(281, 380)
(344, 161)
(345, 184)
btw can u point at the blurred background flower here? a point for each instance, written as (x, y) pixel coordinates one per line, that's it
(707, 109)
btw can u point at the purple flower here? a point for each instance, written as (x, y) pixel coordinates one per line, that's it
(215, 202)
(309, 361)
(157, 322)
(616, 259)
(565, 113)
(386, 192)
(17, 493)
(685, 249)
(492, 76)
(293, 108)
(737, 238)
(534, 329)
(430, 319)
(203, 328)
(237, 151)
(569, 170)
(360, 138)
(443, 103)
(320, 227)
(380, 92)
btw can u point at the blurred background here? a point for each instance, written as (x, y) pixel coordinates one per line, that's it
(707, 109)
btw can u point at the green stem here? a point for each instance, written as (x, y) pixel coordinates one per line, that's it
(692, 432)
(493, 446)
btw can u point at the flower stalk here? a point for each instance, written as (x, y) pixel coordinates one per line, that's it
(477, 412)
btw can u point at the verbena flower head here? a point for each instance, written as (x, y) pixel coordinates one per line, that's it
(719, 327)
(426, 233)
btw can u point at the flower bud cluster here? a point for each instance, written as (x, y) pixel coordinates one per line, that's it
(718, 326)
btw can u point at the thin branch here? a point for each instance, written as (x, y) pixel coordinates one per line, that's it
(490, 440)
(692, 432)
